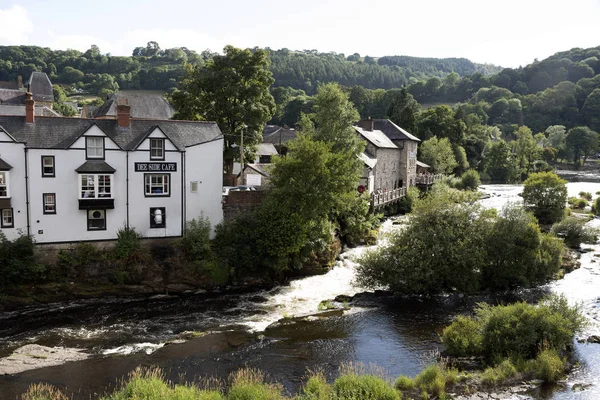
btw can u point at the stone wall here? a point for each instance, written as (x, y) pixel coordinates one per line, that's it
(240, 202)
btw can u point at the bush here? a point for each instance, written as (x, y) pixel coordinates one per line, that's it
(404, 383)
(365, 387)
(316, 388)
(596, 207)
(18, 262)
(574, 232)
(249, 384)
(432, 380)
(470, 180)
(579, 204)
(406, 203)
(585, 195)
(128, 244)
(196, 240)
(549, 367)
(499, 374)
(43, 391)
(463, 337)
(71, 262)
(545, 194)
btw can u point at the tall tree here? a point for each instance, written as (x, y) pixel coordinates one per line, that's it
(582, 141)
(233, 90)
(439, 154)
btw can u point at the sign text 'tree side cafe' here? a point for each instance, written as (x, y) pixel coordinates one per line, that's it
(155, 167)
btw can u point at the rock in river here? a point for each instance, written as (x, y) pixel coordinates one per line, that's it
(33, 356)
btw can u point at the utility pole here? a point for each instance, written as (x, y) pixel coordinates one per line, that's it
(242, 156)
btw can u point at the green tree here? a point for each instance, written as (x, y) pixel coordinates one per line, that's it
(525, 148)
(582, 141)
(556, 135)
(500, 164)
(591, 110)
(439, 154)
(233, 90)
(545, 194)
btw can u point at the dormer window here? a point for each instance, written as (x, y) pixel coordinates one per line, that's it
(4, 192)
(157, 149)
(94, 147)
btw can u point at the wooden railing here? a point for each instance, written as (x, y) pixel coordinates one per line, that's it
(427, 179)
(381, 198)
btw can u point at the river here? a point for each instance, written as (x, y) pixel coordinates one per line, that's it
(397, 335)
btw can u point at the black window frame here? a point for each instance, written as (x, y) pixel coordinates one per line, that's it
(154, 225)
(12, 214)
(157, 194)
(87, 157)
(88, 219)
(53, 175)
(44, 203)
(162, 140)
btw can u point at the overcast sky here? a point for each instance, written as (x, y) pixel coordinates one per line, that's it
(507, 32)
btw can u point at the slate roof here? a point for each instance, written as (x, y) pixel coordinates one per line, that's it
(393, 131)
(266, 149)
(377, 138)
(19, 110)
(143, 105)
(40, 86)
(260, 168)
(96, 166)
(285, 134)
(61, 132)
(9, 85)
(4, 166)
(11, 96)
(269, 130)
(369, 161)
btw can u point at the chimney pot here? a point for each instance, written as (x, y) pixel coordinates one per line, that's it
(123, 115)
(29, 108)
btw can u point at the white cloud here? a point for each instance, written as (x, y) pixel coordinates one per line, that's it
(16, 25)
(76, 42)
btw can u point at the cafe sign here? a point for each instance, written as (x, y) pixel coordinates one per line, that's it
(155, 167)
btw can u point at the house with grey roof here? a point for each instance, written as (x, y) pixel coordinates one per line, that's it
(12, 97)
(40, 86)
(76, 179)
(390, 159)
(143, 105)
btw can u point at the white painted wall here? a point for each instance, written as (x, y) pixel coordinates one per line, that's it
(70, 223)
(204, 165)
(14, 154)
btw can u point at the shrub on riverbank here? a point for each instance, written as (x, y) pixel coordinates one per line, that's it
(451, 245)
(545, 194)
(574, 232)
(17, 260)
(516, 330)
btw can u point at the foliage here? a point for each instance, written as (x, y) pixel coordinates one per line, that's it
(582, 142)
(574, 232)
(70, 262)
(500, 164)
(495, 375)
(196, 240)
(545, 194)
(366, 387)
(519, 329)
(316, 388)
(596, 206)
(438, 154)
(233, 90)
(463, 337)
(249, 384)
(433, 379)
(586, 195)
(450, 245)
(128, 243)
(43, 391)
(470, 180)
(549, 366)
(404, 383)
(18, 261)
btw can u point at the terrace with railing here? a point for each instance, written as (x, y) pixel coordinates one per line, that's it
(382, 198)
(427, 179)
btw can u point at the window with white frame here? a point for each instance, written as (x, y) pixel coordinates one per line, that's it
(49, 203)
(7, 218)
(157, 184)
(4, 192)
(157, 149)
(94, 147)
(48, 167)
(95, 186)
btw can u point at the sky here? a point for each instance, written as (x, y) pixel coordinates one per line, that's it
(509, 33)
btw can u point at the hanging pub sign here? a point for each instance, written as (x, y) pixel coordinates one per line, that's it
(155, 167)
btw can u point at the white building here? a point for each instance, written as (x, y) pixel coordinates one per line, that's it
(74, 179)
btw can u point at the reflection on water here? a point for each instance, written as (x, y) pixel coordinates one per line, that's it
(395, 334)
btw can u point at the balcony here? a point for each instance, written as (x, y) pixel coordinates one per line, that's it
(427, 179)
(383, 198)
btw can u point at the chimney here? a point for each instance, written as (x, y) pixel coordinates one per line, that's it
(20, 81)
(367, 124)
(123, 115)
(29, 108)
